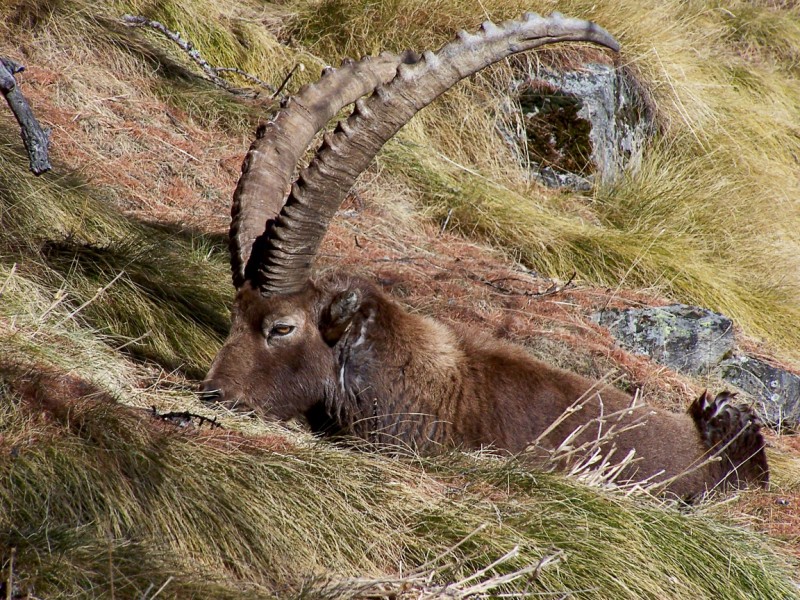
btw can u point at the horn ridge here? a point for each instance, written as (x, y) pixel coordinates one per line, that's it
(324, 183)
(272, 158)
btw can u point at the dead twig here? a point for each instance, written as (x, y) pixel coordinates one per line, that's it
(250, 77)
(554, 288)
(213, 73)
(425, 583)
(158, 591)
(99, 293)
(185, 45)
(446, 222)
(286, 79)
(10, 581)
(35, 138)
(185, 418)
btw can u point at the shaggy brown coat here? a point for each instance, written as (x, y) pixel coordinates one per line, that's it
(350, 360)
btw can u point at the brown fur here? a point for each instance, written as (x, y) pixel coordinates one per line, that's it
(357, 363)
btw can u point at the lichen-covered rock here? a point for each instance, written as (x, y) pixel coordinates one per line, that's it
(686, 338)
(776, 390)
(572, 127)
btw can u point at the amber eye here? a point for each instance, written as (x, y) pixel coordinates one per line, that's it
(280, 330)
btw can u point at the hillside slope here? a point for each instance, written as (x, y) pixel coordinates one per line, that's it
(114, 296)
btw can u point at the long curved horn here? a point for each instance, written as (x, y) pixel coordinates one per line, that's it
(293, 238)
(269, 165)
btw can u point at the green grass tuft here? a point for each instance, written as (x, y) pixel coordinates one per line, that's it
(161, 294)
(705, 219)
(114, 495)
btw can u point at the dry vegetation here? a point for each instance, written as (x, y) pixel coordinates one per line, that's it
(114, 290)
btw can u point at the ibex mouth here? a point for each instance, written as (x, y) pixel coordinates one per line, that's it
(210, 394)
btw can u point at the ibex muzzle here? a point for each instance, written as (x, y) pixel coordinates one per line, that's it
(340, 352)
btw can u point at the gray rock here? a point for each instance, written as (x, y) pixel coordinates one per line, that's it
(776, 390)
(697, 341)
(686, 338)
(574, 127)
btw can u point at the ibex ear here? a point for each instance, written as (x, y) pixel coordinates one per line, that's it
(340, 314)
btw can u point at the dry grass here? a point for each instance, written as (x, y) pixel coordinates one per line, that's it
(114, 280)
(88, 486)
(705, 217)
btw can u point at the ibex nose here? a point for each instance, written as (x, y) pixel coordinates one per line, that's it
(209, 392)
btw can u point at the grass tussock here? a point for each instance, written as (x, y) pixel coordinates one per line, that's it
(85, 473)
(161, 294)
(704, 217)
(99, 500)
(765, 31)
(662, 247)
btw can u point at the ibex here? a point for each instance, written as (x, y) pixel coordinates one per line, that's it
(348, 358)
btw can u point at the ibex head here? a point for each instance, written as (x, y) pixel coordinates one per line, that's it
(274, 358)
(280, 357)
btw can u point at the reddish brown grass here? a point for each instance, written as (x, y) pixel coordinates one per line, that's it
(162, 167)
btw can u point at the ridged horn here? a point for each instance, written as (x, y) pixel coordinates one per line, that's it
(270, 163)
(292, 240)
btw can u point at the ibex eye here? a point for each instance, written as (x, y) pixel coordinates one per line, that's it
(279, 330)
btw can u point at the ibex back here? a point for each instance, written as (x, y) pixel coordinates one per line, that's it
(350, 360)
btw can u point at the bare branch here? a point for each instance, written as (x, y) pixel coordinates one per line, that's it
(495, 284)
(286, 79)
(211, 72)
(35, 138)
(249, 77)
(185, 45)
(185, 418)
